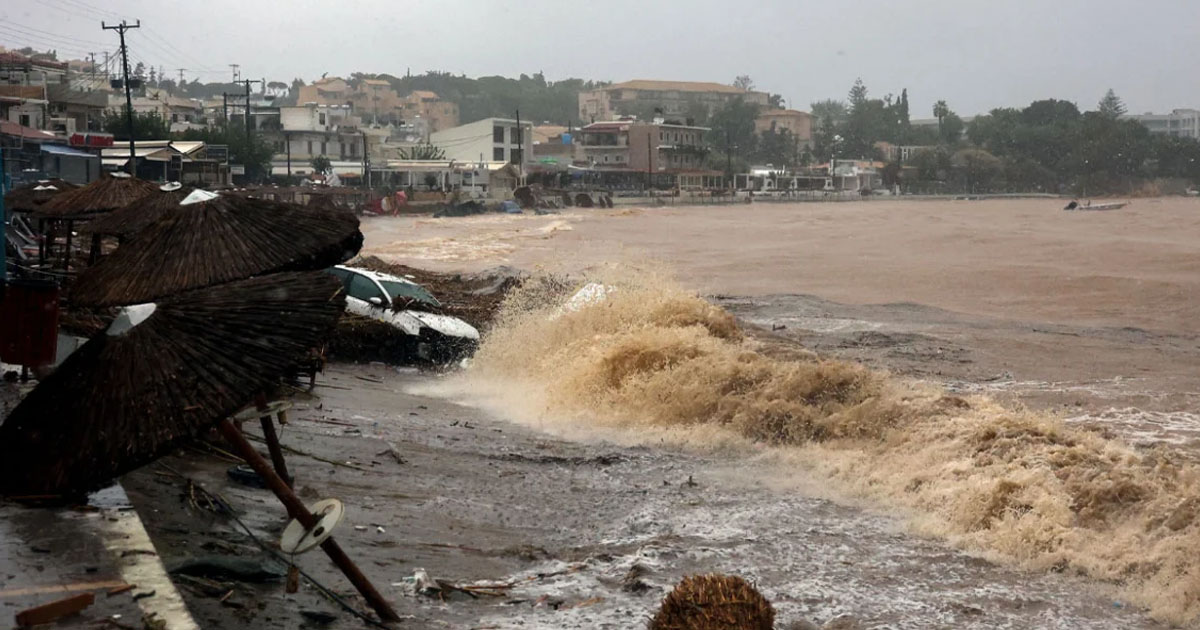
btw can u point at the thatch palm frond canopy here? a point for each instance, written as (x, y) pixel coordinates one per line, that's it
(103, 195)
(139, 214)
(28, 198)
(219, 240)
(160, 375)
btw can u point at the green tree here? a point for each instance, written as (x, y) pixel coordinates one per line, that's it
(778, 147)
(977, 168)
(951, 128)
(743, 82)
(829, 112)
(931, 164)
(733, 127)
(425, 151)
(146, 126)
(857, 95)
(255, 154)
(940, 110)
(321, 164)
(1111, 105)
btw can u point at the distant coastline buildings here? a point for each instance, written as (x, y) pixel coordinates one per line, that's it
(1182, 123)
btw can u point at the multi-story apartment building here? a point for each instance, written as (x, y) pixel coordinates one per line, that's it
(627, 152)
(1184, 123)
(678, 99)
(487, 140)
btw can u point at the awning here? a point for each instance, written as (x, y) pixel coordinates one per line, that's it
(58, 149)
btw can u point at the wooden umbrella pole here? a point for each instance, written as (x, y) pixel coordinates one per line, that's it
(276, 450)
(272, 439)
(297, 510)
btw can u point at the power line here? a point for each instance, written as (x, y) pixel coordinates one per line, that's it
(50, 34)
(101, 14)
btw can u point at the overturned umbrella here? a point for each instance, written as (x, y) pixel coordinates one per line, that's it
(160, 375)
(210, 239)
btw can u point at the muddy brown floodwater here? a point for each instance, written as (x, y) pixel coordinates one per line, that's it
(1089, 317)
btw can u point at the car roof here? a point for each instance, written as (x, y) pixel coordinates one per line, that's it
(375, 275)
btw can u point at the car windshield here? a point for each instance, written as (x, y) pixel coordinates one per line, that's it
(408, 291)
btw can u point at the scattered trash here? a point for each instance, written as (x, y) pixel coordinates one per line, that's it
(245, 475)
(319, 617)
(144, 595)
(380, 529)
(254, 569)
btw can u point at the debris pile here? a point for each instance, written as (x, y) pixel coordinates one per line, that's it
(474, 298)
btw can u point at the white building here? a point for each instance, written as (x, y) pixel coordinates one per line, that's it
(313, 130)
(1184, 123)
(487, 140)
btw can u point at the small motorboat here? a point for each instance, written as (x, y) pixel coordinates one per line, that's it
(1110, 205)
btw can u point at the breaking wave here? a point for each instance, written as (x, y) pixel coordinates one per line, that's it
(1014, 485)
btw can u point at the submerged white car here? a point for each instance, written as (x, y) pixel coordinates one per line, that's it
(406, 305)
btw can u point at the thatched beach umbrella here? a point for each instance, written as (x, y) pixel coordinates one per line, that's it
(217, 239)
(714, 602)
(141, 213)
(159, 375)
(103, 195)
(31, 197)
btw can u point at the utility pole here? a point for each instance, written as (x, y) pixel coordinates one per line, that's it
(366, 162)
(520, 150)
(249, 126)
(225, 113)
(180, 71)
(649, 160)
(235, 67)
(92, 55)
(106, 64)
(120, 29)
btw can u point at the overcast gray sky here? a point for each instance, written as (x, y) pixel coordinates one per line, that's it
(975, 54)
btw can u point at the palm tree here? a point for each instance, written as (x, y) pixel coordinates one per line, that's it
(940, 111)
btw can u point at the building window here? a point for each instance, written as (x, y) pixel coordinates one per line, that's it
(515, 156)
(498, 152)
(323, 149)
(606, 158)
(498, 134)
(310, 147)
(515, 135)
(321, 119)
(25, 120)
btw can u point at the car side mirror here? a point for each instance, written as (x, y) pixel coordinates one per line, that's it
(376, 301)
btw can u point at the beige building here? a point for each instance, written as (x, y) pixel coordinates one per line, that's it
(680, 99)
(377, 103)
(626, 152)
(797, 122)
(426, 105)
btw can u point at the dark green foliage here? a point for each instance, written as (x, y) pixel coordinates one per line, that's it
(146, 126)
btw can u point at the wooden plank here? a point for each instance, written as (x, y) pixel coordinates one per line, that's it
(48, 613)
(61, 588)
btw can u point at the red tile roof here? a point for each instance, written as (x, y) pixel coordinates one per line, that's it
(21, 131)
